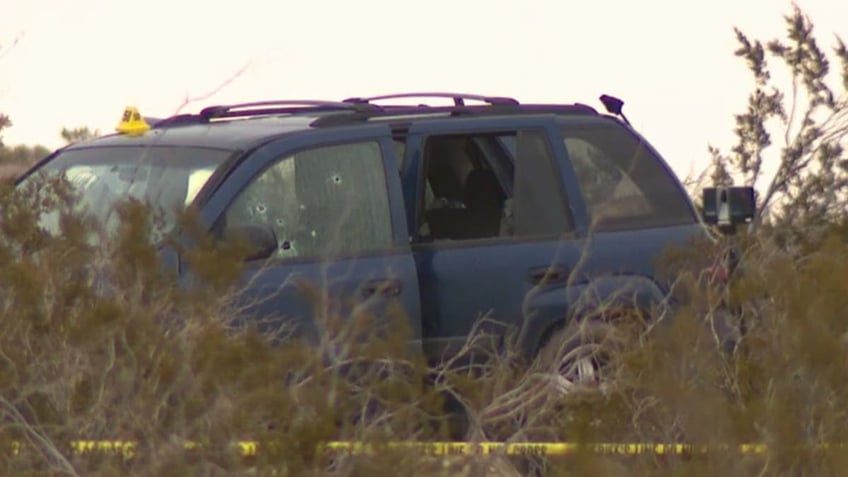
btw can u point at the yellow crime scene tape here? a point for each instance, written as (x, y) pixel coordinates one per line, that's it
(527, 449)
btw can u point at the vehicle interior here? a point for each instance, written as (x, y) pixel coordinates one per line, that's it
(465, 196)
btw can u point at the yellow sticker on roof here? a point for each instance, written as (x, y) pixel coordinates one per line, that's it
(132, 122)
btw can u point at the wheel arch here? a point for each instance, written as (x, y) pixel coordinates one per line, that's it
(603, 297)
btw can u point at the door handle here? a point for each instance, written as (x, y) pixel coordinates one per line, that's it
(547, 275)
(384, 288)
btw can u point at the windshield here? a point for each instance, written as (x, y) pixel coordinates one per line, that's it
(165, 178)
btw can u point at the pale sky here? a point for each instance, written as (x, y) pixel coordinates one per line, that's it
(79, 63)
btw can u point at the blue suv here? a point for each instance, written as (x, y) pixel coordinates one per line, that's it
(483, 213)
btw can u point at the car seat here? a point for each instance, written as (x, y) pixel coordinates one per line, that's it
(484, 201)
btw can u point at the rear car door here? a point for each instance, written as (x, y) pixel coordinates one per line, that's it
(334, 202)
(637, 209)
(491, 229)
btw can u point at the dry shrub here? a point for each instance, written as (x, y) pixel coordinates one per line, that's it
(11, 170)
(100, 340)
(783, 383)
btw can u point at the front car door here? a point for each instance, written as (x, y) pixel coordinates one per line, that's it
(492, 228)
(336, 208)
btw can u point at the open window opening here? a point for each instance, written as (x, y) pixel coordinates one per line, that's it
(466, 194)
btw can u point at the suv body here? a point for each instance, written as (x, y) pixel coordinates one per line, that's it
(526, 214)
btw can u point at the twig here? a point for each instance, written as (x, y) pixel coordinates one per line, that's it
(188, 99)
(5, 51)
(39, 441)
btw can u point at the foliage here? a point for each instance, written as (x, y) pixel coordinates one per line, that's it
(5, 122)
(22, 154)
(15, 159)
(98, 340)
(807, 186)
(78, 134)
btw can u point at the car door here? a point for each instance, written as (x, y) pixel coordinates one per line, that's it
(492, 229)
(334, 202)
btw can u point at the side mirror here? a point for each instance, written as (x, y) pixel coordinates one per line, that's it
(259, 239)
(728, 207)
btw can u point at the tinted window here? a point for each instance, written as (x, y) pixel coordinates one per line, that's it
(623, 183)
(321, 202)
(538, 206)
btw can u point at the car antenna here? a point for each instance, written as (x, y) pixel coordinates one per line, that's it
(614, 106)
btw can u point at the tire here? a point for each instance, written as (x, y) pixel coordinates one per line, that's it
(583, 353)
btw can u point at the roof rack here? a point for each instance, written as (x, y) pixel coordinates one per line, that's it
(361, 109)
(176, 120)
(279, 107)
(458, 98)
(402, 114)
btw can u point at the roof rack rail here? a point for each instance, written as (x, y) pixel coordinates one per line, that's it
(458, 98)
(404, 113)
(185, 118)
(279, 107)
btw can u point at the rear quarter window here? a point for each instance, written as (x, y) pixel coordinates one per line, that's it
(624, 183)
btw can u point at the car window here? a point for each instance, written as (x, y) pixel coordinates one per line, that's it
(539, 205)
(608, 190)
(321, 202)
(477, 188)
(622, 182)
(163, 178)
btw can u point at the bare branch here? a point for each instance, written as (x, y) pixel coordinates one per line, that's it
(192, 99)
(6, 50)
